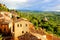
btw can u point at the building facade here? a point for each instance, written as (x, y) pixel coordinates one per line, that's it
(17, 26)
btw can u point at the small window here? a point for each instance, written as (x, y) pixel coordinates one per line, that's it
(20, 25)
(22, 31)
(18, 17)
(26, 25)
(4, 29)
(13, 28)
(26, 32)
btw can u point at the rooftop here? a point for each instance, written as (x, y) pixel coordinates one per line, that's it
(17, 20)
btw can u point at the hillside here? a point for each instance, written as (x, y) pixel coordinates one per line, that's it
(51, 26)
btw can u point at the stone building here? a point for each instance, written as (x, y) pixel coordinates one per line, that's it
(11, 23)
(17, 26)
(45, 19)
(21, 27)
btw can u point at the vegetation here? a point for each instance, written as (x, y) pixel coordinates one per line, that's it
(37, 18)
(0, 37)
(51, 26)
(3, 8)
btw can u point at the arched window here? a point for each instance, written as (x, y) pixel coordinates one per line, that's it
(20, 25)
(17, 25)
(26, 25)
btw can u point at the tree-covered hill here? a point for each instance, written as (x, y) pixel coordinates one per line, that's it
(52, 25)
(49, 21)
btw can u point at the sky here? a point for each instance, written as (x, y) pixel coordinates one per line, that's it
(38, 5)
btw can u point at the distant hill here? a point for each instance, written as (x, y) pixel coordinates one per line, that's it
(4, 8)
(32, 11)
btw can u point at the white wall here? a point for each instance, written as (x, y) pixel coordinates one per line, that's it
(11, 26)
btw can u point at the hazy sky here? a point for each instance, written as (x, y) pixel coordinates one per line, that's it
(40, 5)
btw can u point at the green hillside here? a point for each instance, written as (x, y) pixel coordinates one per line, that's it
(37, 18)
(51, 25)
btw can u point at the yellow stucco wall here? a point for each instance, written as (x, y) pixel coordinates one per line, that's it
(18, 30)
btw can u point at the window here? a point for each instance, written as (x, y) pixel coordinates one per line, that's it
(13, 28)
(22, 31)
(20, 25)
(18, 17)
(4, 29)
(12, 16)
(26, 32)
(26, 25)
